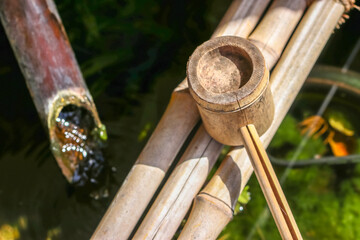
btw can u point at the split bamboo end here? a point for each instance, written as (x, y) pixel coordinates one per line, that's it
(75, 97)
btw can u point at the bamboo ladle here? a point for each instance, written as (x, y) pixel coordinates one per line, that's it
(228, 79)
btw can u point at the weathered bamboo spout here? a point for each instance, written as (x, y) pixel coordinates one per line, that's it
(53, 77)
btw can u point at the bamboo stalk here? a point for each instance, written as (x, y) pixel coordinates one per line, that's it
(175, 125)
(149, 169)
(45, 57)
(279, 20)
(221, 193)
(248, 12)
(187, 179)
(159, 226)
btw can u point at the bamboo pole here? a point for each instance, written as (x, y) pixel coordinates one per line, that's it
(187, 179)
(241, 18)
(45, 57)
(157, 224)
(160, 151)
(220, 195)
(149, 169)
(279, 20)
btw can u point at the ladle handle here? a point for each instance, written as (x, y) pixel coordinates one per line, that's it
(269, 184)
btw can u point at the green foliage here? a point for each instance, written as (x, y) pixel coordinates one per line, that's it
(288, 137)
(123, 45)
(286, 133)
(243, 199)
(245, 196)
(102, 133)
(144, 133)
(339, 121)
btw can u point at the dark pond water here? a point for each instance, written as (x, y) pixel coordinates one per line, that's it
(132, 54)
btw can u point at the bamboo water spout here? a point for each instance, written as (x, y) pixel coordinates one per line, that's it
(53, 77)
(220, 194)
(175, 125)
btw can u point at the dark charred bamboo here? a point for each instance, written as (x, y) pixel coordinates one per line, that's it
(53, 77)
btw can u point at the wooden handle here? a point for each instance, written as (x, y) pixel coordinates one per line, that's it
(269, 184)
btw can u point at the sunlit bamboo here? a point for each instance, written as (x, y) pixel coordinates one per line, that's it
(214, 206)
(175, 125)
(160, 226)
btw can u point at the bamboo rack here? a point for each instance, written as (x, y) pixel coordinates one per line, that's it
(175, 125)
(214, 206)
(46, 59)
(164, 216)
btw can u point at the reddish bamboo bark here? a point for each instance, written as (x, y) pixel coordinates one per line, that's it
(46, 59)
